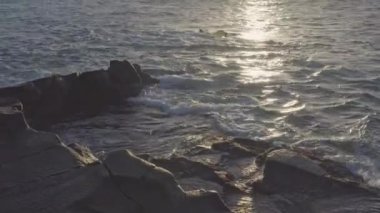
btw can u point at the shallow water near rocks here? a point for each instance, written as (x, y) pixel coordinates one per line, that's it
(301, 73)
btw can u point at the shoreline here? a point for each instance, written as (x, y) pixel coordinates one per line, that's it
(277, 179)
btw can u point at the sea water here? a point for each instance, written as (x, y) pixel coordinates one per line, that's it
(301, 73)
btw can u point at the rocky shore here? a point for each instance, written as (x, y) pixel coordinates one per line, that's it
(39, 173)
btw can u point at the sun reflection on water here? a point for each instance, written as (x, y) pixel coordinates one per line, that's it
(259, 19)
(258, 30)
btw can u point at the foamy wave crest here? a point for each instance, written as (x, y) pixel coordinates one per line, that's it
(179, 109)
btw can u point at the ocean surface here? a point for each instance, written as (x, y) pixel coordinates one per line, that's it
(300, 73)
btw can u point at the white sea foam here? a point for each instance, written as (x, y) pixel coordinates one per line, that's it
(193, 108)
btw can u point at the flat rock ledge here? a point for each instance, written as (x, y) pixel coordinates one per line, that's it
(38, 173)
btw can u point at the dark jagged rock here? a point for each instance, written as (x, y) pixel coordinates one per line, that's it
(38, 173)
(51, 99)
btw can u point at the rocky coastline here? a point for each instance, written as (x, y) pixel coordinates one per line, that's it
(40, 173)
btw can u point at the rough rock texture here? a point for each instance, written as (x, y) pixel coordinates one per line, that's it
(38, 173)
(52, 98)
